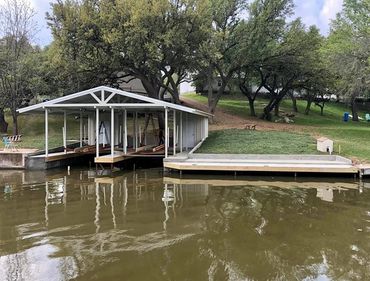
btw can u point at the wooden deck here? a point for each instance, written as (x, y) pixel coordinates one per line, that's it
(262, 163)
(105, 158)
(111, 159)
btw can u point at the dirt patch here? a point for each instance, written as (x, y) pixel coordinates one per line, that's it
(223, 120)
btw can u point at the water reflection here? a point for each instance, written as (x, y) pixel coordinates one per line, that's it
(132, 225)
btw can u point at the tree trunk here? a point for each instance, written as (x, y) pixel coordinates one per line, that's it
(213, 103)
(294, 103)
(308, 107)
(251, 107)
(354, 111)
(266, 115)
(209, 85)
(277, 108)
(15, 123)
(3, 123)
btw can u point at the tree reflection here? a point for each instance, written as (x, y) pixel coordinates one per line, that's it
(138, 224)
(275, 234)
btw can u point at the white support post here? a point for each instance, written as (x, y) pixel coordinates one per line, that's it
(46, 133)
(174, 132)
(180, 140)
(139, 135)
(135, 131)
(112, 132)
(81, 129)
(97, 131)
(65, 132)
(165, 132)
(146, 129)
(125, 131)
(102, 95)
(119, 134)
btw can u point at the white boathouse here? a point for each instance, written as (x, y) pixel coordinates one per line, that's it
(115, 125)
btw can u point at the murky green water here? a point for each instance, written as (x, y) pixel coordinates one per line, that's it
(143, 226)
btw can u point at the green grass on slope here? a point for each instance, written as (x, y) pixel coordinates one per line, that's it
(352, 137)
(32, 128)
(238, 105)
(256, 142)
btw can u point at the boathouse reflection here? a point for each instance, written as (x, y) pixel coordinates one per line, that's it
(77, 223)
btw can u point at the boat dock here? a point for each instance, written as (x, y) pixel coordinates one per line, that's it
(329, 164)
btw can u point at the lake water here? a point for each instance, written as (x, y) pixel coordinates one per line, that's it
(144, 226)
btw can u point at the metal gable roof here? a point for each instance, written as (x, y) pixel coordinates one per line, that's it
(102, 102)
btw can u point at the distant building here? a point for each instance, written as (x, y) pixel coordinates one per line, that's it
(134, 85)
(202, 88)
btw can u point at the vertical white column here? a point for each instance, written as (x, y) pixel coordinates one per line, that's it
(180, 140)
(174, 132)
(165, 132)
(112, 132)
(135, 131)
(146, 128)
(125, 131)
(65, 131)
(97, 131)
(81, 129)
(46, 133)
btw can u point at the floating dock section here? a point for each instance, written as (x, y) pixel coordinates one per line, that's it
(330, 164)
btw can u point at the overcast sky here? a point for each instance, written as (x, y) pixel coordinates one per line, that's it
(312, 12)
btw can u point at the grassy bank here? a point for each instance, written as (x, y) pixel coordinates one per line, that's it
(352, 137)
(256, 142)
(32, 128)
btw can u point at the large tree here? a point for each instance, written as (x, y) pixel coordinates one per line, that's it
(348, 51)
(259, 34)
(219, 50)
(107, 41)
(291, 64)
(16, 55)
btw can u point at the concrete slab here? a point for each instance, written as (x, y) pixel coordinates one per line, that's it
(262, 163)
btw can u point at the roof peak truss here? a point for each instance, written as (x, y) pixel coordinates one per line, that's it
(106, 97)
(103, 97)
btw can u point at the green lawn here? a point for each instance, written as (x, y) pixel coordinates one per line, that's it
(352, 137)
(257, 142)
(32, 128)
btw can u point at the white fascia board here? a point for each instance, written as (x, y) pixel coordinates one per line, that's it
(159, 102)
(104, 105)
(55, 103)
(58, 100)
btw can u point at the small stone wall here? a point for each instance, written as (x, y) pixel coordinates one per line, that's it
(12, 160)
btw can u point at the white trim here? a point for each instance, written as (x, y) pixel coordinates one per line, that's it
(46, 133)
(174, 132)
(95, 97)
(56, 102)
(197, 146)
(97, 133)
(115, 105)
(110, 97)
(81, 132)
(112, 132)
(125, 135)
(65, 131)
(61, 99)
(165, 132)
(180, 141)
